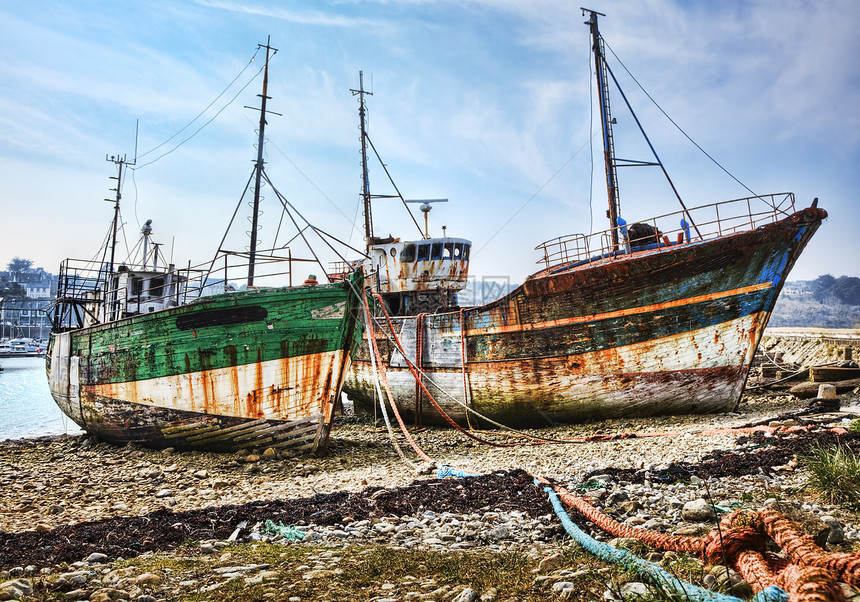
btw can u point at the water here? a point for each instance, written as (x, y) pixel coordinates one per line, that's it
(26, 406)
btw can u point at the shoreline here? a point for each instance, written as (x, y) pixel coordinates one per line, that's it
(57, 483)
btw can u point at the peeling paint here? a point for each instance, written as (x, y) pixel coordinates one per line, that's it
(664, 331)
(144, 377)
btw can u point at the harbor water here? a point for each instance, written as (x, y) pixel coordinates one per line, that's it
(26, 406)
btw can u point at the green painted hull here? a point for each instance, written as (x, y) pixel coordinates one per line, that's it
(253, 368)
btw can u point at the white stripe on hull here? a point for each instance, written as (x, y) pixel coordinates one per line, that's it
(284, 389)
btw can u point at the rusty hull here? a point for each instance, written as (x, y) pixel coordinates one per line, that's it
(261, 368)
(664, 331)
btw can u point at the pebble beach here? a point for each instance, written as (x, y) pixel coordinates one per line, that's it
(50, 483)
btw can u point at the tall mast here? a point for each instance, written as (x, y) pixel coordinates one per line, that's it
(606, 121)
(258, 166)
(365, 180)
(120, 163)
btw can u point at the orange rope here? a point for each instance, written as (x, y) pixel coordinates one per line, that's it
(802, 550)
(809, 584)
(439, 409)
(760, 570)
(378, 357)
(809, 574)
(463, 358)
(419, 360)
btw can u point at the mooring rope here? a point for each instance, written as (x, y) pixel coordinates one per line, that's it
(652, 571)
(740, 541)
(374, 355)
(464, 363)
(801, 549)
(416, 375)
(808, 574)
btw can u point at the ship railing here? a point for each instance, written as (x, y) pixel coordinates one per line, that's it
(90, 292)
(701, 223)
(229, 272)
(340, 270)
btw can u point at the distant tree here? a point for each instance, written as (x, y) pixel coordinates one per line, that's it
(825, 281)
(847, 290)
(11, 289)
(19, 266)
(821, 287)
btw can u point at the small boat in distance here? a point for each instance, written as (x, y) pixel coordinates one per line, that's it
(659, 316)
(22, 348)
(142, 352)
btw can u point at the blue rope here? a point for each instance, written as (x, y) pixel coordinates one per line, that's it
(608, 553)
(652, 570)
(446, 471)
(287, 531)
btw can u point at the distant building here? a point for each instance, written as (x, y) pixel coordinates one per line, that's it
(36, 282)
(799, 287)
(25, 316)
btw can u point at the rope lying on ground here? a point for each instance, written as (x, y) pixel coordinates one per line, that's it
(808, 574)
(740, 541)
(652, 571)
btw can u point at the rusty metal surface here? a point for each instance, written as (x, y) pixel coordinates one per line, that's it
(657, 332)
(394, 269)
(259, 368)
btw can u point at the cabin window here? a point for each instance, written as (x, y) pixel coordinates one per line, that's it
(449, 251)
(423, 252)
(407, 255)
(393, 251)
(466, 252)
(156, 286)
(437, 251)
(458, 250)
(136, 287)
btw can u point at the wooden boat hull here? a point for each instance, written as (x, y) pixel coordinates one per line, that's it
(667, 331)
(260, 368)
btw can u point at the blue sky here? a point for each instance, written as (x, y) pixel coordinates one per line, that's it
(483, 102)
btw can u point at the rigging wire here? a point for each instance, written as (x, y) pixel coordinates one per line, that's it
(391, 180)
(672, 121)
(134, 184)
(532, 197)
(197, 131)
(309, 181)
(591, 146)
(322, 234)
(200, 114)
(209, 106)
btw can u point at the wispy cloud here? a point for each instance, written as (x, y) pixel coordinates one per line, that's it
(485, 101)
(309, 17)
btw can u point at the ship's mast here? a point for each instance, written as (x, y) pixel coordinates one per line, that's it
(365, 179)
(120, 163)
(258, 166)
(606, 121)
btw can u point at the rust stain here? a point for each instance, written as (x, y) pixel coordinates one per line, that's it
(498, 328)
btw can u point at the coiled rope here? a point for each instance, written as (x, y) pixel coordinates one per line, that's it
(652, 571)
(809, 574)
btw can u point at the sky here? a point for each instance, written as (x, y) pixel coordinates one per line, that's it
(486, 103)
